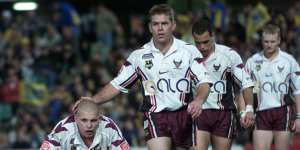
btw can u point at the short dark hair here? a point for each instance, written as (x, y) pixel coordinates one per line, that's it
(162, 9)
(202, 25)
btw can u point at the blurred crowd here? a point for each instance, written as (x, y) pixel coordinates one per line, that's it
(48, 59)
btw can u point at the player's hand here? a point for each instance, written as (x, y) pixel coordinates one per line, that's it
(195, 109)
(247, 119)
(80, 100)
(297, 125)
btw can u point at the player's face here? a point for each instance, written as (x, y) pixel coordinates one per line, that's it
(87, 123)
(161, 28)
(204, 43)
(270, 43)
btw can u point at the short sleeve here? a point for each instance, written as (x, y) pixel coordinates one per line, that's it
(127, 75)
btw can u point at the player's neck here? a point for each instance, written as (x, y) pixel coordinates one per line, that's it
(164, 47)
(88, 141)
(210, 52)
(271, 55)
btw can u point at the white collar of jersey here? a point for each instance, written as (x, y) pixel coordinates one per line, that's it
(173, 47)
(212, 55)
(274, 59)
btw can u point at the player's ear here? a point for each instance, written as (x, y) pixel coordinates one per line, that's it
(174, 25)
(150, 28)
(100, 116)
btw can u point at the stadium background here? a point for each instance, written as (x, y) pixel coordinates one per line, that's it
(66, 49)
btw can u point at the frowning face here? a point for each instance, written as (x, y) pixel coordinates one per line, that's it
(87, 123)
(161, 28)
(270, 43)
(204, 43)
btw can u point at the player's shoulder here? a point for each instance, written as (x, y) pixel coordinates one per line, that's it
(225, 50)
(227, 53)
(286, 56)
(189, 48)
(256, 58)
(108, 126)
(107, 122)
(65, 126)
(142, 52)
(185, 45)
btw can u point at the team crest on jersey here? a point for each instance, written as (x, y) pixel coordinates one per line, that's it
(258, 64)
(257, 67)
(148, 64)
(177, 63)
(217, 67)
(148, 56)
(280, 69)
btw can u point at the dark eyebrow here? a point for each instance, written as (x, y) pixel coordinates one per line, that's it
(202, 42)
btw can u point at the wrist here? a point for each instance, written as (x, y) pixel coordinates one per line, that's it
(249, 108)
(242, 113)
(297, 115)
(199, 100)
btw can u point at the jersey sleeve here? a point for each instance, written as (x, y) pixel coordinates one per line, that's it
(240, 75)
(127, 75)
(199, 72)
(295, 77)
(50, 144)
(118, 142)
(53, 141)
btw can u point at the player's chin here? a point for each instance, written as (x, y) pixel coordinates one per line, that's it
(161, 40)
(89, 134)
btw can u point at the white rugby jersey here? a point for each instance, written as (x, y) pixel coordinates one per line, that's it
(65, 136)
(166, 79)
(227, 71)
(275, 80)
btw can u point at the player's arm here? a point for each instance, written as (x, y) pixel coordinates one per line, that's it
(202, 92)
(295, 85)
(54, 140)
(243, 80)
(126, 78)
(203, 82)
(50, 145)
(297, 121)
(106, 94)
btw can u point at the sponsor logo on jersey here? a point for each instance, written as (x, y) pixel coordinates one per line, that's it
(149, 86)
(148, 56)
(148, 64)
(272, 87)
(268, 75)
(166, 85)
(219, 87)
(162, 72)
